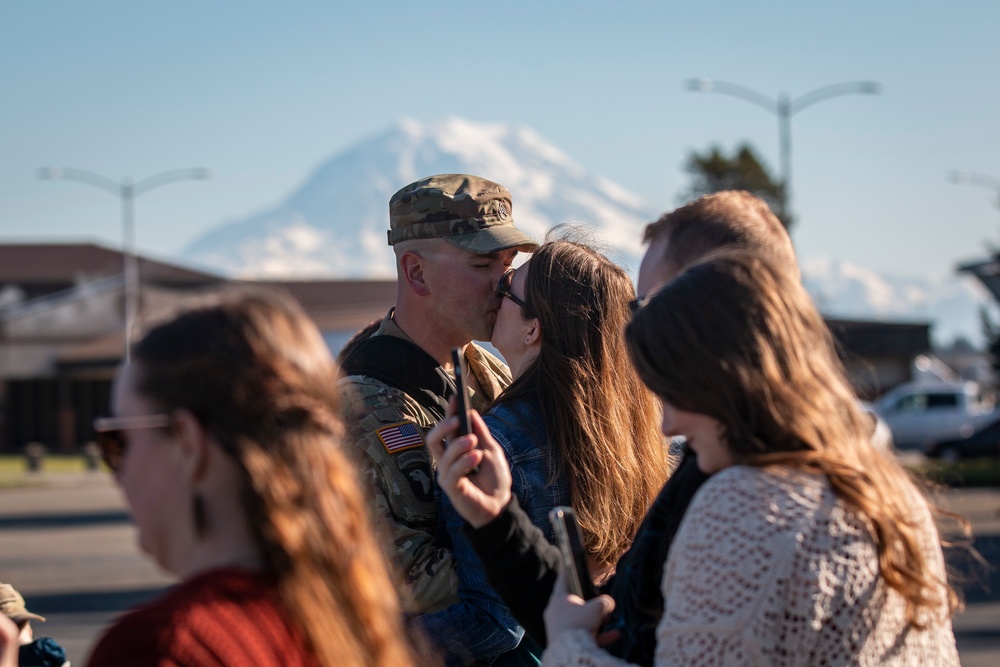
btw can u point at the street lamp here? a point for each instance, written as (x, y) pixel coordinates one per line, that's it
(127, 192)
(961, 177)
(784, 108)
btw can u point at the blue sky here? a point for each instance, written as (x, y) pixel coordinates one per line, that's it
(262, 92)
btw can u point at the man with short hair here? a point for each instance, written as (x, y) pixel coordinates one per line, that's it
(454, 237)
(731, 218)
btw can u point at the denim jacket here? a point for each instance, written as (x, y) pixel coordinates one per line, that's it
(480, 627)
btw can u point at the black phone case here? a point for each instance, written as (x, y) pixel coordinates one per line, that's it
(570, 543)
(462, 391)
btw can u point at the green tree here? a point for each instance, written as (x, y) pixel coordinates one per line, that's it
(713, 171)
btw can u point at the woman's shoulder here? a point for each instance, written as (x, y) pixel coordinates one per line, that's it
(772, 497)
(734, 541)
(756, 519)
(228, 611)
(787, 512)
(205, 594)
(523, 407)
(518, 426)
(743, 480)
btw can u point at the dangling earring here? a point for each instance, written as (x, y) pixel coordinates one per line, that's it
(200, 518)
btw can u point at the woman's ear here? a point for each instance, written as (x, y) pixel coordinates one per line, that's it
(412, 266)
(533, 336)
(193, 442)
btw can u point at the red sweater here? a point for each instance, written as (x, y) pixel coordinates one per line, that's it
(221, 618)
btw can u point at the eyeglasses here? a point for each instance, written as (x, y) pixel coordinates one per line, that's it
(110, 434)
(503, 289)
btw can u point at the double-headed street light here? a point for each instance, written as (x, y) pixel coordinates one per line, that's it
(784, 108)
(961, 177)
(127, 192)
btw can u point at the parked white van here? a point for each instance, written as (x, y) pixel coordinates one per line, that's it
(920, 412)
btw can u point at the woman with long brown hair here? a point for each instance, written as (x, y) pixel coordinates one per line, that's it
(226, 444)
(576, 425)
(564, 345)
(807, 545)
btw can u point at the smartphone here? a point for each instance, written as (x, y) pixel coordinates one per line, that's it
(570, 543)
(462, 391)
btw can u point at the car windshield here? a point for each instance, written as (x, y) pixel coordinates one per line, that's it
(942, 400)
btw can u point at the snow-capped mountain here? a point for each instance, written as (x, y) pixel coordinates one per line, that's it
(335, 224)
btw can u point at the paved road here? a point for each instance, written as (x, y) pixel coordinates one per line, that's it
(68, 547)
(977, 629)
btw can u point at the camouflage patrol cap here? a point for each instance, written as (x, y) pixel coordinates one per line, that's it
(467, 211)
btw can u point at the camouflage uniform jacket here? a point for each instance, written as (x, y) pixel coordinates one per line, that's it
(388, 428)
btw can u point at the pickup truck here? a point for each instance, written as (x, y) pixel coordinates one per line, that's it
(921, 412)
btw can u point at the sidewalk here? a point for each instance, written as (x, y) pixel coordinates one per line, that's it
(69, 548)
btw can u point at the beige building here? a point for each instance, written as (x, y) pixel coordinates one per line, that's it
(62, 330)
(62, 333)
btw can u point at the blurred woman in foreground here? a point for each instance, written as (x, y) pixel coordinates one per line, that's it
(226, 443)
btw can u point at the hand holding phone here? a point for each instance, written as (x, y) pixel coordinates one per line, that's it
(462, 391)
(479, 497)
(574, 556)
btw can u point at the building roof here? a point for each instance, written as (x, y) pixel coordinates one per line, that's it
(340, 305)
(103, 352)
(334, 305)
(319, 293)
(874, 339)
(55, 263)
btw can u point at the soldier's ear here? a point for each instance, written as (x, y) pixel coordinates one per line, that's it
(412, 267)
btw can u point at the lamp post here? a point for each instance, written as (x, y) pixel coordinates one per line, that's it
(126, 191)
(961, 177)
(784, 108)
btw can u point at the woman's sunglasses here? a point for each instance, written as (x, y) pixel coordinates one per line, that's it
(110, 435)
(503, 289)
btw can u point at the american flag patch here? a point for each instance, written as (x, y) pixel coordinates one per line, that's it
(399, 437)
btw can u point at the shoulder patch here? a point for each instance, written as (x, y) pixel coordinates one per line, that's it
(400, 437)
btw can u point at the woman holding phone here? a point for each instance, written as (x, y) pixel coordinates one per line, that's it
(577, 427)
(575, 403)
(225, 440)
(807, 545)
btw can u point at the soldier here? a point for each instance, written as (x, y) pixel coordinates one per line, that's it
(454, 237)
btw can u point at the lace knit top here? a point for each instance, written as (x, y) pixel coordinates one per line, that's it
(769, 568)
